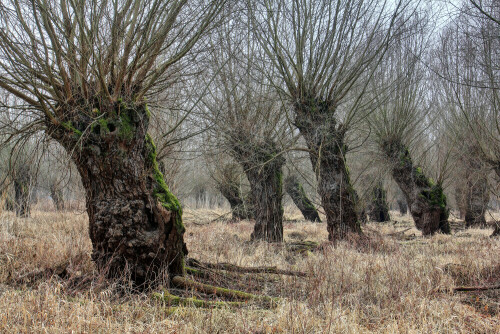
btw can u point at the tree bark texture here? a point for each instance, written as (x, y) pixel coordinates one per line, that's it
(379, 210)
(460, 199)
(426, 200)
(57, 196)
(22, 183)
(403, 207)
(300, 199)
(135, 222)
(263, 166)
(325, 140)
(477, 195)
(229, 186)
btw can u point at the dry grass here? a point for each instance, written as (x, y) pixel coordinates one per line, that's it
(386, 283)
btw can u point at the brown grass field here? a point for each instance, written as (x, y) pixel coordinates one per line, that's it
(386, 282)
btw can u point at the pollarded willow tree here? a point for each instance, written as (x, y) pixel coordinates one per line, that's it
(324, 53)
(85, 70)
(402, 116)
(469, 68)
(228, 177)
(468, 65)
(247, 122)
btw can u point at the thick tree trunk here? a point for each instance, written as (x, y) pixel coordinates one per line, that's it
(300, 199)
(460, 200)
(22, 185)
(238, 207)
(135, 222)
(57, 197)
(325, 140)
(379, 210)
(263, 165)
(477, 195)
(426, 200)
(229, 186)
(403, 207)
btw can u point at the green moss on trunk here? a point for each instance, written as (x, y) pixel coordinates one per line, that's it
(161, 191)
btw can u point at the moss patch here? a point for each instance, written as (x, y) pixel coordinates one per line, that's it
(173, 300)
(161, 191)
(69, 126)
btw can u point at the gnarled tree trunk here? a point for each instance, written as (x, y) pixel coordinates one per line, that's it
(325, 139)
(379, 210)
(263, 166)
(477, 195)
(403, 207)
(22, 183)
(135, 222)
(229, 186)
(426, 200)
(460, 200)
(57, 196)
(300, 199)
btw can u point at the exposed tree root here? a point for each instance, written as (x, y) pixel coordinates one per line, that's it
(231, 267)
(223, 292)
(236, 298)
(211, 274)
(173, 300)
(302, 246)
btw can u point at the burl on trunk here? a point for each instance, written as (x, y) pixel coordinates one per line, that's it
(135, 222)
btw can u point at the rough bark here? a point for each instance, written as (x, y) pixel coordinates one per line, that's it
(460, 200)
(300, 199)
(477, 195)
(426, 200)
(263, 165)
(22, 185)
(316, 122)
(229, 186)
(57, 196)
(403, 207)
(379, 209)
(135, 222)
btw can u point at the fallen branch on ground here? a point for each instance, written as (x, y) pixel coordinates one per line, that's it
(476, 288)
